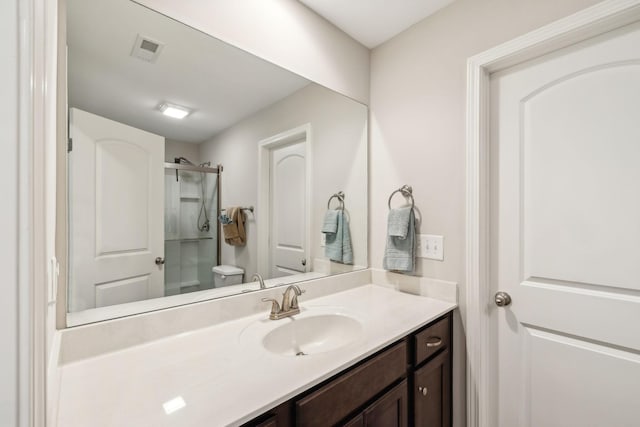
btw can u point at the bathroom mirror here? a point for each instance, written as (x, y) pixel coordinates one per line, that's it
(164, 211)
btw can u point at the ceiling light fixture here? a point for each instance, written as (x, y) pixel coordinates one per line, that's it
(175, 111)
(173, 405)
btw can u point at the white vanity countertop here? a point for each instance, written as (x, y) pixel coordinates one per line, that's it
(223, 378)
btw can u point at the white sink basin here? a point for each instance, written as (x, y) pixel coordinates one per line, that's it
(313, 334)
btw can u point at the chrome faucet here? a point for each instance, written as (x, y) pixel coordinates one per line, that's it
(258, 278)
(289, 303)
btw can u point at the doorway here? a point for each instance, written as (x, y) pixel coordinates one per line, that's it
(553, 295)
(115, 236)
(284, 203)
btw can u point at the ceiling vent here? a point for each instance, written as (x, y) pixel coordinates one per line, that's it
(146, 49)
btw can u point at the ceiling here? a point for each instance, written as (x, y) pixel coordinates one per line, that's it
(221, 83)
(372, 22)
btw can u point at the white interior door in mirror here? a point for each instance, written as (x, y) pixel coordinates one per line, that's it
(288, 208)
(565, 211)
(115, 202)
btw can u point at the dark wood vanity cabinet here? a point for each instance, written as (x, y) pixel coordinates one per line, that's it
(406, 384)
(280, 416)
(336, 400)
(432, 392)
(432, 375)
(389, 410)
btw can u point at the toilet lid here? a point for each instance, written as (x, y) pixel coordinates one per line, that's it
(227, 270)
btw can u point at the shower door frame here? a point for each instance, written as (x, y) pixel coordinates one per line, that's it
(203, 169)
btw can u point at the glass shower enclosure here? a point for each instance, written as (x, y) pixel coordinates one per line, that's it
(191, 246)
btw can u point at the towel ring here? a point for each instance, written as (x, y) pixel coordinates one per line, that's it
(406, 191)
(340, 196)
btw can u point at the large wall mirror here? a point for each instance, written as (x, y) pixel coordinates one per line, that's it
(193, 167)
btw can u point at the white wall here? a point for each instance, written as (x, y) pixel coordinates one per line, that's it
(8, 215)
(173, 149)
(339, 152)
(418, 84)
(284, 32)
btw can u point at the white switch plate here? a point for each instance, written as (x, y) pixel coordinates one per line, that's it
(323, 240)
(430, 246)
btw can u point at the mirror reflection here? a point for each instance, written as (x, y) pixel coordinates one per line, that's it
(197, 170)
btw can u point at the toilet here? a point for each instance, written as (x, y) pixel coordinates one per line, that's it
(226, 275)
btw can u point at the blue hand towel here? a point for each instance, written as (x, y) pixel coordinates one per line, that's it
(398, 222)
(338, 245)
(399, 253)
(347, 250)
(330, 224)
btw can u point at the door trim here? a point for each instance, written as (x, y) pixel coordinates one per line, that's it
(33, 265)
(595, 20)
(263, 215)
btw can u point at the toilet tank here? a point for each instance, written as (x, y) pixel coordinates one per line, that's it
(225, 275)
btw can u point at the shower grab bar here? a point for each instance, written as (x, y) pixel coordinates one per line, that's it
(340, 196)
(406, 191)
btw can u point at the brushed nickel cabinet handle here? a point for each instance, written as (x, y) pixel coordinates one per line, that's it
(434, 341)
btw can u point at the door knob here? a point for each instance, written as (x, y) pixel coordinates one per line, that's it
(159, 261)
(423, 390)
(502, 299)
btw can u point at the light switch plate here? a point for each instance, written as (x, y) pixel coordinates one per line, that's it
(430, 246)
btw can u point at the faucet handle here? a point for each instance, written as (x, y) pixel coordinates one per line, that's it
(275, 307)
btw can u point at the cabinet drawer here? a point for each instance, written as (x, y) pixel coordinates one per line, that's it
(269, 422)
(432, 339)
(331, 403)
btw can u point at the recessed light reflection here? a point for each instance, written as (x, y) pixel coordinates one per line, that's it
(173, 405)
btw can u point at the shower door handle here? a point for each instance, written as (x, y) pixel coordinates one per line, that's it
(159, 261)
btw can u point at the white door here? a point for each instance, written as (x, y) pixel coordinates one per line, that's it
(288, 183)
(565, 236)
(116, 221)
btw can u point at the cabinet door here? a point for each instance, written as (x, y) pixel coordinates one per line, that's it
(391, 410)
(432, 393)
